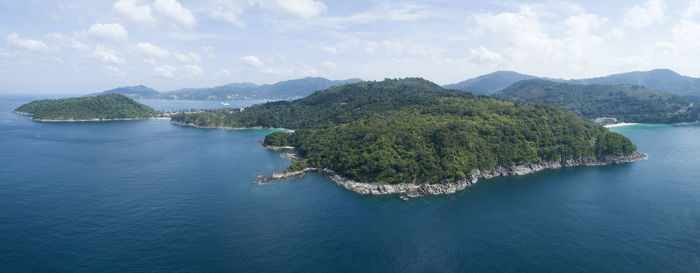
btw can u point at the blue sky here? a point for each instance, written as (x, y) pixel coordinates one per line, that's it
(77, 47)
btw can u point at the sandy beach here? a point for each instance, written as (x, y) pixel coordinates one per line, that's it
(619, 124)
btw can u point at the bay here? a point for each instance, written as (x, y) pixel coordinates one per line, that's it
(149, 196)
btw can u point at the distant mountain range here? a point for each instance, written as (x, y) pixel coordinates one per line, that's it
(625, 102)
(489, 83)
(134, 92)
(282, 90)
(659, 79)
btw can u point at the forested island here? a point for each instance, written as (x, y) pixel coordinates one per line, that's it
(413, 136)
(103, 107)
(626, 103)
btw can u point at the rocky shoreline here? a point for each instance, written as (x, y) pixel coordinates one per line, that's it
(415, 190)
(80, 120)
(276, 148)
(228, 128)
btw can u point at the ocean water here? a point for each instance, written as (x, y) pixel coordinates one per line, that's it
(148, 196)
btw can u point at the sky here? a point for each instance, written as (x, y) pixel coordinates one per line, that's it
(79, 47)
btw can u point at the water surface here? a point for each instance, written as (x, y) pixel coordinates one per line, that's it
(148, 196)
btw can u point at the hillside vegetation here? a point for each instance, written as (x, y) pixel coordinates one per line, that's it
(412, 130)
(658, 79)
(110, 106)
(629, 103)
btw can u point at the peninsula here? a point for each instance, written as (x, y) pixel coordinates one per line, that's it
(97, 108)
(412, 136)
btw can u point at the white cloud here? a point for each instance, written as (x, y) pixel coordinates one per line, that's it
(69, 42)
(663, 50)
(192, 70)
(483, 56)
(164, 71)
(114, 32)
(140, 14)
(641, 16)
(168, 71)
(106, 55)
(330, 50)
(522, 32)
(524, 38)
(210, 51)
(175, 12)
(33, 45)
(222, 73)
(687, 32)
(113, 70)
(229, 11)
(75, 44)
(252, 61)
(329, 65)
(151, 51)
(188, 58)
(300, 8)
(693, 8)
(386, 12)
(583, 23)
(232, 11)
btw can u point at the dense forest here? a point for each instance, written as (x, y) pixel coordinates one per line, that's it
(110, 106)
(658, 79)
(412, 130)
(628, 103)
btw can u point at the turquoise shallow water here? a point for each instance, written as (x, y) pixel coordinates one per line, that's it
(148, 196)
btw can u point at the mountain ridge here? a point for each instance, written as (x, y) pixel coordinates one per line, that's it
(625, 102)
(288, 89)
(659, 79)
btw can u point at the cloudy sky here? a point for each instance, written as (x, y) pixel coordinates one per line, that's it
(76, 47)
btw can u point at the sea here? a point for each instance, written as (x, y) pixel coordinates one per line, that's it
(150, 196)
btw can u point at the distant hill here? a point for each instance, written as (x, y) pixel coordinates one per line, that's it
(281, 90)
(134, 92)
(102, 107)
(629, 103)
(489, 83)
(660, 79)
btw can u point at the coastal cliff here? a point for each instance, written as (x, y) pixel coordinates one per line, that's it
(415, 190)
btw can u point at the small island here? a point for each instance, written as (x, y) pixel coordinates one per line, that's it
(414, 137)
(91, 108)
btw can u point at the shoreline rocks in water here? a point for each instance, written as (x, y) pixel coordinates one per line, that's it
(276, 148)
(229, 128)
(291, 156)
(415, 190)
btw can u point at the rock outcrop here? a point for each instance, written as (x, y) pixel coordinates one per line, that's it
(415, 190)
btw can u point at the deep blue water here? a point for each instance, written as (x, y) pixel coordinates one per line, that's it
(148, 196)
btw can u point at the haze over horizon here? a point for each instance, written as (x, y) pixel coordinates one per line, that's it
(79, 48)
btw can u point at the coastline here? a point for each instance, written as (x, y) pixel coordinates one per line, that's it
(416, 190)
(80, 120)
(620, 124)
(92, 120)
(229, 128)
